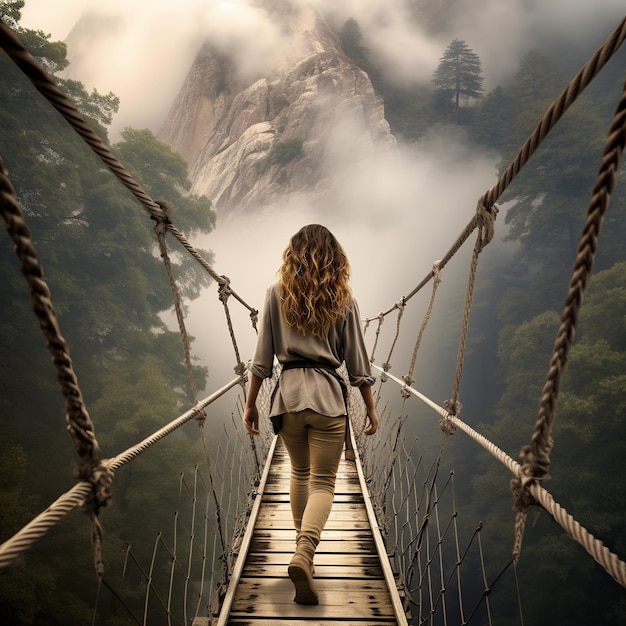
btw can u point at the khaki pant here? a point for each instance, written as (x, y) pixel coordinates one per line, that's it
(314, 443)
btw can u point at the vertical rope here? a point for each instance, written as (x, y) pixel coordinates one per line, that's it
(381, 319)
(79, 424)
(401, 305)
(486, 216)
(408, 377)
(535, 457)
(225, 293)
(160, 229)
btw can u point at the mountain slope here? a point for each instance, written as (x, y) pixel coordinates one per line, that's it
(288, 132)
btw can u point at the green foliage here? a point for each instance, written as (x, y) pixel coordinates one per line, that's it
(109, 290)
(458, 78)
(351, 39)
(12, 9)
(281, 154)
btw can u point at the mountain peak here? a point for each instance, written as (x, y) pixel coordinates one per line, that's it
(253, 135)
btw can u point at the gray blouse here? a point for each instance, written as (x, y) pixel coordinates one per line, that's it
(310, 388)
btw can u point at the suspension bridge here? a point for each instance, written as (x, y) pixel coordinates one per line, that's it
(392, 551)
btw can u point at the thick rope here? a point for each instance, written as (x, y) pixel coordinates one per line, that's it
(79, 424)
(557, 109)
(160, 230)
(554, 113)
(224, 292)
(535, 457)
(596, 548)
(381, 319)
(25, 538)
(46, 85)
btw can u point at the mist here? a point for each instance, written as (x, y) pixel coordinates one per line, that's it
(394, 213)
(142, 50)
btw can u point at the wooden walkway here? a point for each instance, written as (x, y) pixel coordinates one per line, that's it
(352, 573)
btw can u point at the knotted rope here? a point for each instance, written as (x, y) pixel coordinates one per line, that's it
(160, 229)
(79, 424)
(408, 377)
(381, 319)
(401, 305)
(535, 457)
(46, 85)
(485, 219)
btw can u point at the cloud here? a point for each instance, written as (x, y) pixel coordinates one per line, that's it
(143, 53)
(394, 214)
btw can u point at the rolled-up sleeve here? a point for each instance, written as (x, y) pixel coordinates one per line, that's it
(355, 352)
(263, 359)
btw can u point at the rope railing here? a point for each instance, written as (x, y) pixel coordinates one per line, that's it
(552, 115)
(24, 539)
(46, 85)
(596, 548)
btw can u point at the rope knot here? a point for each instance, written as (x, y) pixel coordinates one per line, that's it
(254, 318)
(486, 213)
(453, 406)
(405, 393)
(453, 409)
(101, 479)
(162, 218)
(447, 427)
(224, 290)
(437, 272)
(240, 369)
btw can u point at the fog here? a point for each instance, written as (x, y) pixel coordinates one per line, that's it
(142, 50)
(396, 213)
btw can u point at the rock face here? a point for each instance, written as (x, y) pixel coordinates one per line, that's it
(287, 133)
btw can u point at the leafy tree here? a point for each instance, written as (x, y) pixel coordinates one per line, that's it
(494, 119)
(537, 79)
(457, 77)
(588, 446)
(109, 289)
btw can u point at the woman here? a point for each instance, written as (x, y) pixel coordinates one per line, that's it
(311, 324)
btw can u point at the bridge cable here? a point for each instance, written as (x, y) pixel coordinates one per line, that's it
(552, 115)
(46, 85)
(535, 457)
(79, 424)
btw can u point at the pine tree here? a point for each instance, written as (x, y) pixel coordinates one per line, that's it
(458, 76)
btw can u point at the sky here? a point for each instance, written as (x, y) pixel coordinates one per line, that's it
(395, 215)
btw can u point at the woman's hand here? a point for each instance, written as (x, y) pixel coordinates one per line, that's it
(251, 420)
(250, 415)
(370, 407)
(373, 419)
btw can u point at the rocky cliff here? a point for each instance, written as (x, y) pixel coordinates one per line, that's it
(288, 132)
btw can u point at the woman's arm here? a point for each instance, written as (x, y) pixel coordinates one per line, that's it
(250, 412)
(370, 407)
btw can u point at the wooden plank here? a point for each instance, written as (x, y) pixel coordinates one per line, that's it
(340, 498)
(334, 572)
(243, 621)
(273, 545)
(280, 558)
(285, 523)
(273, 597)
(349, 575)
(286, 534)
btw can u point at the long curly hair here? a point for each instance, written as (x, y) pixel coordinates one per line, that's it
(314, 281)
